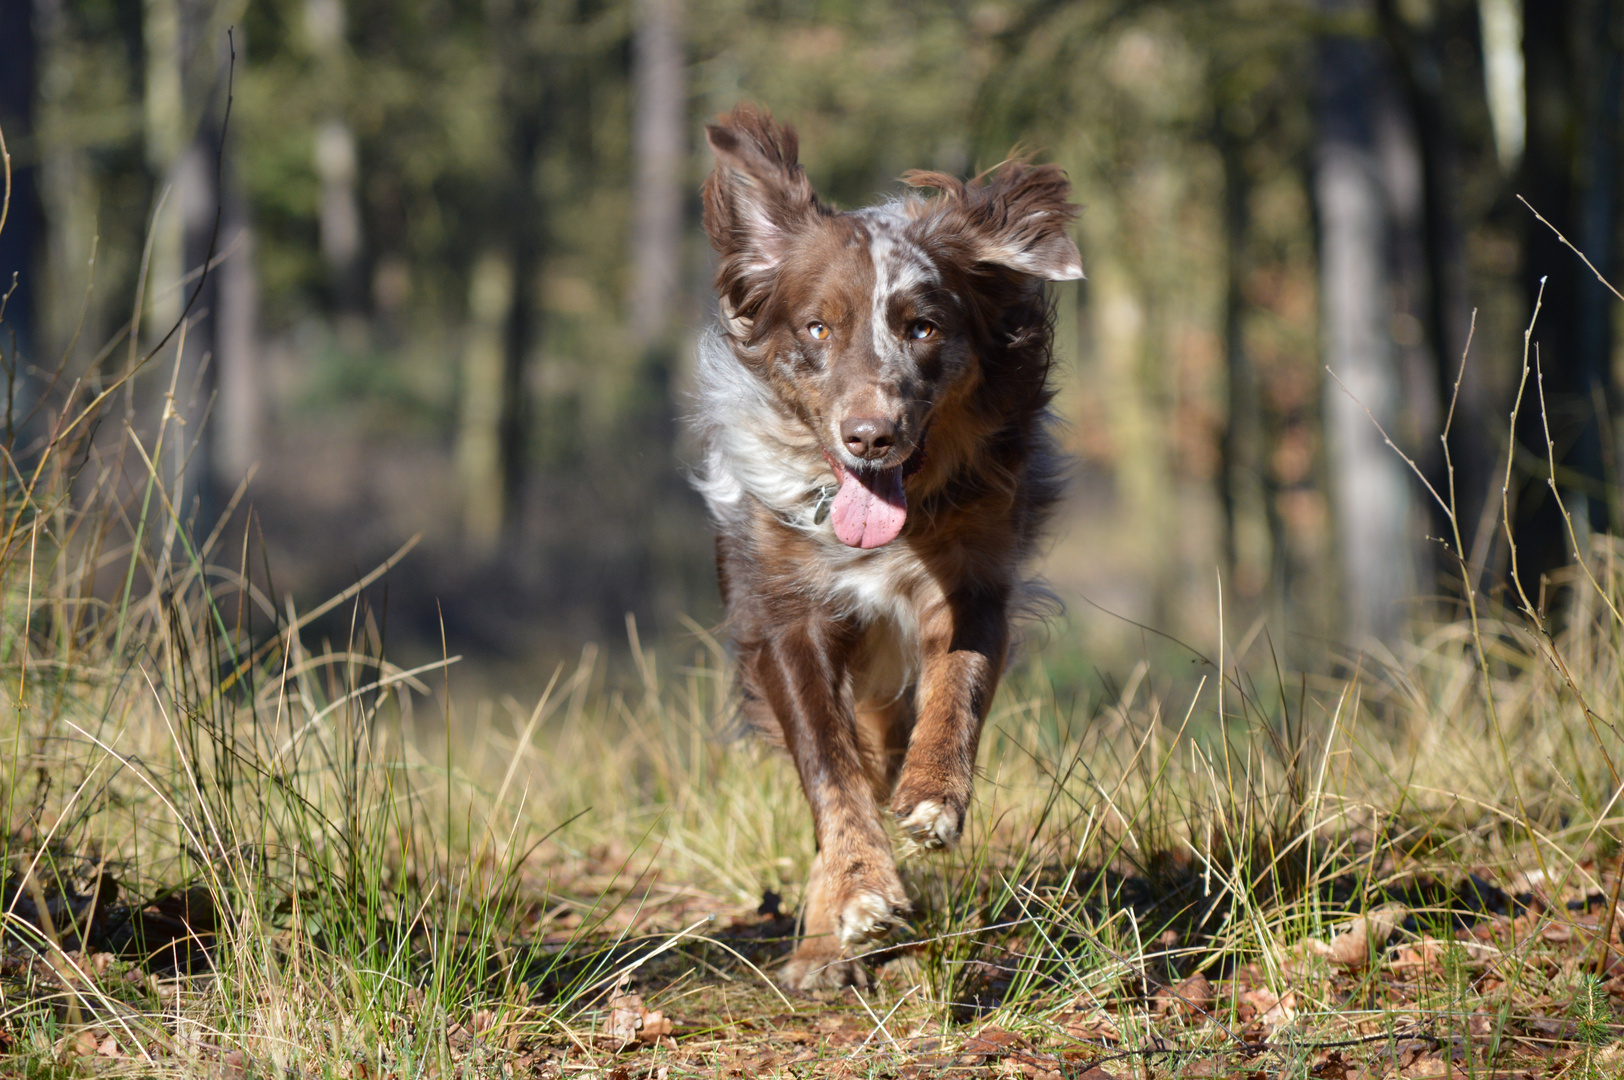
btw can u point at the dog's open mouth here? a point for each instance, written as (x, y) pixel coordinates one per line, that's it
(871, 507)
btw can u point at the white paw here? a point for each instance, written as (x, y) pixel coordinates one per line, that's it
(867, 916)
(932, 825)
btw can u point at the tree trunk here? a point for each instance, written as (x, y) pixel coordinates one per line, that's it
(337, 170)
(1599, 181)
(1370, 488)
(164, 109)
(339, 214)
(493, 428)
(194, 442)
(183, 151)
(189, 60)
(519, 339)
(240, 416)
(1248, 547)
(68, 193)
(1444, 301)
(658, 141)
(1500, 29)
(22, 238)
(479, 423)
(1570, 55)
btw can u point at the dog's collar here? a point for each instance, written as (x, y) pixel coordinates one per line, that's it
(825, 499)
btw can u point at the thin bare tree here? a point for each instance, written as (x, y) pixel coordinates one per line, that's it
(659, 147)
(1376, 548)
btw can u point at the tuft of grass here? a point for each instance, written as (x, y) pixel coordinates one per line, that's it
(223, 846)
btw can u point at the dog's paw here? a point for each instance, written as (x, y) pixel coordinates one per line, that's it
(870, 915)
(824, 971)
(931, 824)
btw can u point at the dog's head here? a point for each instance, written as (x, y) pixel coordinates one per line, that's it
(868, 323)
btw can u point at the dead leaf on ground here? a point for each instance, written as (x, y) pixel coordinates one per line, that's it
(991, 1042)
(1090, 1025)
(1432, 1067)
(1031, 1070)
(1192, 997)
(234, 1065)
(631, 1022)
(797, 1037)
(1270, 1009)
(1430, 953)
(1332, 1067)
(82, 1043)
(1408, 1051)
(1353, 942)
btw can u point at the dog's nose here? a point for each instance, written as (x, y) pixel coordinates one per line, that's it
(868, 437)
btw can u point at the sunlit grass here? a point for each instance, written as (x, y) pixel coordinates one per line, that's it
(227, 847)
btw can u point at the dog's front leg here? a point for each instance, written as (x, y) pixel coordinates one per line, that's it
(854, 894)
(963, 641)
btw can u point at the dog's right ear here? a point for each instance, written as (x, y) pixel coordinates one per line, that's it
(755, 200)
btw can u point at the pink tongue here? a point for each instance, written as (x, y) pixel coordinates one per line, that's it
(870, 508)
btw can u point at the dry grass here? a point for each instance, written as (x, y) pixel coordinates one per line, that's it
(256, 858)
(227, 850)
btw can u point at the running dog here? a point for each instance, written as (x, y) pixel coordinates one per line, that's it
(874, 410)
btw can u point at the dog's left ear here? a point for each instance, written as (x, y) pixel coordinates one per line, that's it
(1016, 219)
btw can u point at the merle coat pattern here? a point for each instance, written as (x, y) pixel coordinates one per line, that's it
(873, 406)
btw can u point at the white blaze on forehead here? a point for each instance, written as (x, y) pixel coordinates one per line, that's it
(899, 266)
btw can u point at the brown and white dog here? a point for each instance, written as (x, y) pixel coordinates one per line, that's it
(874, 413)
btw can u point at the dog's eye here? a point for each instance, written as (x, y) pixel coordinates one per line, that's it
(818, 331)
(921, 330)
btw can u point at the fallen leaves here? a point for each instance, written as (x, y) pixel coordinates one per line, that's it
(631, 1022)
(1355, 942)
(1013, 1055)
(1090, 1024)
(992, 1041)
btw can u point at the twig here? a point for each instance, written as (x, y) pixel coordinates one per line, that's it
(1556, 658)
(1389, 441)
(1612, 918)
(1570, 247)
(1505, 488)
(879, 1025)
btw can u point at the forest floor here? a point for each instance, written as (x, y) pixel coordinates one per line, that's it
(1359, 879)
(1467, 979)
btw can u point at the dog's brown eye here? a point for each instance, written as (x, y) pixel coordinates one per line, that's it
(919, 331)
(818, 331)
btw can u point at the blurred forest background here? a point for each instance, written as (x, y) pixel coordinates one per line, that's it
(458, 273)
